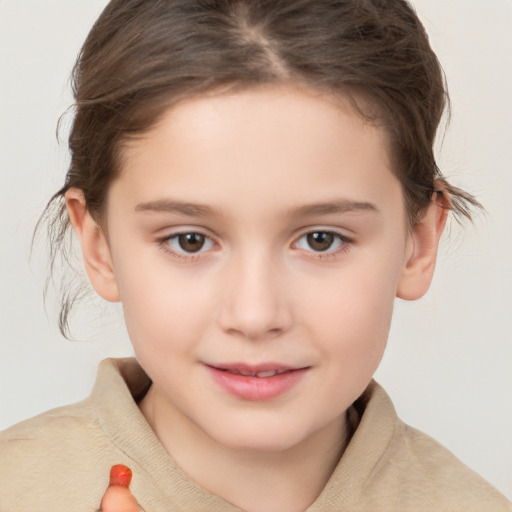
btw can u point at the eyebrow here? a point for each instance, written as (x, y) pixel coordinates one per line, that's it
(339, 206)
(180, 207)
(202, 210)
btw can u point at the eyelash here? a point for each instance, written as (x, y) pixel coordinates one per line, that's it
(163, 243)
(344, 245)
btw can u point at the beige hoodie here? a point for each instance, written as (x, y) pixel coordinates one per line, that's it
(60, 461)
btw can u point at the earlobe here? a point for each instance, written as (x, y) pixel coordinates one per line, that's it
(94, 245)
(422, 248)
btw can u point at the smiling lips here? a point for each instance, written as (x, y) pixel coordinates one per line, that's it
(262, 382)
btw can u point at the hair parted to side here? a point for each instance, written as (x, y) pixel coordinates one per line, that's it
(142, 56)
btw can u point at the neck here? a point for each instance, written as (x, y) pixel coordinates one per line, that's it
(271, 481)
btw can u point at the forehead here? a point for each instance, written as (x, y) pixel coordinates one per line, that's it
(275, 145)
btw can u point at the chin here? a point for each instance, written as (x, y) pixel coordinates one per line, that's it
(259, 445)
(261, 438)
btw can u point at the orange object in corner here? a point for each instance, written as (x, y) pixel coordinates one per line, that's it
(120, 475)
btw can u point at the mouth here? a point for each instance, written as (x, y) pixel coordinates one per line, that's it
(261, 372)
(255, 383)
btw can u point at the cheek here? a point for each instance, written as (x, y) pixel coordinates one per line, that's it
(352, 312)
(360, 293)
(164, 310)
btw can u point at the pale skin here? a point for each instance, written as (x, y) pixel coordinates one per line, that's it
(255, 174)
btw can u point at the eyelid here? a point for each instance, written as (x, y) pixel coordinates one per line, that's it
(345, 244)
(200, 250)
(322, 229)
(173, 231)
(162, 242)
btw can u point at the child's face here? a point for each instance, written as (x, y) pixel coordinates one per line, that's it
(301, 242)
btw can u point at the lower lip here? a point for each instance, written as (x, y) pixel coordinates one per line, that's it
(256, 388)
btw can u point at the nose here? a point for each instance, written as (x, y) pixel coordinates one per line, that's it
(255, 304)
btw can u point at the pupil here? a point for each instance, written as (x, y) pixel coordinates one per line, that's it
(320, 241)
(191, 242)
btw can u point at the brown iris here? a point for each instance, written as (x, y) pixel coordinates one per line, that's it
(191, 242)
(320, 240)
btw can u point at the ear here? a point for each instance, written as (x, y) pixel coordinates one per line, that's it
(422, 248)
(94, 244)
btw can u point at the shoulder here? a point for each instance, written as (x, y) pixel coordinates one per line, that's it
(390, 466)
(43, 435)
(48, 423)
(51, 423)
(425, 474)
(47, 459)
(435, 476)
(63, 456)
(54, 431)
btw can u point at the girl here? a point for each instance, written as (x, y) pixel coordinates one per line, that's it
(254, 181)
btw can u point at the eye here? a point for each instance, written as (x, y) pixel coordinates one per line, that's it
(321, 241)
(189, 243)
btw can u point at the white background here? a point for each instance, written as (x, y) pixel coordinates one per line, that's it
(448, 365)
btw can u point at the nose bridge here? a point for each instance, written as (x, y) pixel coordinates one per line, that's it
(255, 303)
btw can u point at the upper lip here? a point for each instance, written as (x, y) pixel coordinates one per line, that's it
(254, 369)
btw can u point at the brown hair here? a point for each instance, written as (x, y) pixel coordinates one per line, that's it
(142, 56)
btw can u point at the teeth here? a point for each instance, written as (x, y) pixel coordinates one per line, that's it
(266, 374)
(270, 373)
